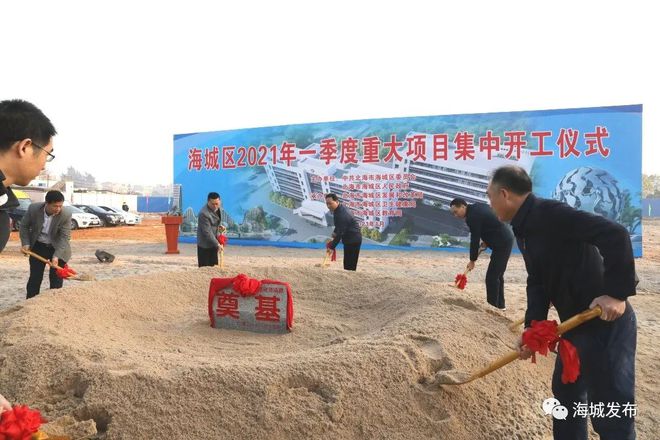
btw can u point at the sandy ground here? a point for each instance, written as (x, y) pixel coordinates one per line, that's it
(134, 352)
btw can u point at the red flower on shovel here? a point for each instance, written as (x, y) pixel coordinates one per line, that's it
(542, 337)
(19, 423)
(333, 254)
(65, 272)
(461, 280)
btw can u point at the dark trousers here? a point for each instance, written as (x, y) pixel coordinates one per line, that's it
(351, 255)
(37, 270)
(207, 256)
(5, 228)
(607, 376)
(499, 258)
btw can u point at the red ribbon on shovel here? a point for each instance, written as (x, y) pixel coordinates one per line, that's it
(65, 272)
(20, 423)
(542, 337)
(333, 256)
(461, 281)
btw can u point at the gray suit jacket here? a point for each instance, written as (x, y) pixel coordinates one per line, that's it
(60, 229)
(208, 223)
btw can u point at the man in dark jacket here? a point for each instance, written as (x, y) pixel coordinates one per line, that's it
(208, 227)
(577, 260)
(26, 144)
(487, 229)
(347, 230)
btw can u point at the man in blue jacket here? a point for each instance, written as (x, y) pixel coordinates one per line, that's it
(347, 230)
(577, 260)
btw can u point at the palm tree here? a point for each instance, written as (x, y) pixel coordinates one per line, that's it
(631, 217)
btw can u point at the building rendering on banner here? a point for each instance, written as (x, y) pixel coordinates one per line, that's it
(308, 179)
(441, 181)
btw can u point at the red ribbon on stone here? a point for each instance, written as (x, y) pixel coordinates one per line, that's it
(65, 272)
(245, 285)
(19, 423)
(542, 337)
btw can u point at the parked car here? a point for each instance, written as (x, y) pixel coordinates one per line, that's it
(82, 219)
(129, 217)
(106, 218)
(16, 214)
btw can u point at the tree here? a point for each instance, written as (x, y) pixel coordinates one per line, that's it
(401, 238)
(80, 179)
(650, 185)
(256, 218)
(631, 217)
(444, 240)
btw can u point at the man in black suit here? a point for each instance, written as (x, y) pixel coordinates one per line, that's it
(485, 227)
(577, 260)
(347, 230)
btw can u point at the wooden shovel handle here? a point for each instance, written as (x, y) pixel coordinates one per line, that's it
(562, 328)
(578, 319)
(515, 324)
(478, 253)
(40, 258)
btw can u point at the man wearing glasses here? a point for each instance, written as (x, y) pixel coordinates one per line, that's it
(46, 231)
(26, 144)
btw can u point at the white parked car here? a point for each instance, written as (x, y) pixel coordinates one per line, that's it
(81, 219)
(129, 217)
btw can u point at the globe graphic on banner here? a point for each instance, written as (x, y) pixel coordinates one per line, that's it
(592, 190)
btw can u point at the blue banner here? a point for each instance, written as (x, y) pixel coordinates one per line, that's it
(398, 175)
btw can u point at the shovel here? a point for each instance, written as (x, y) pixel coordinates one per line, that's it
(325, 259)
(461, 279)
(78, 277)
(562, 328)
(514, 325)
(222, 239)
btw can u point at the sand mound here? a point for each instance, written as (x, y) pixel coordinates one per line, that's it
(137, 356)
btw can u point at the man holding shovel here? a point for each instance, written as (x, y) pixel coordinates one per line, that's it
(577, 260)
(46, 231)
(208, 228)
(486, 228)
(347, 230)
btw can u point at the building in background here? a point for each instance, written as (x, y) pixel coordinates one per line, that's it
(308, 179)
(443, 180)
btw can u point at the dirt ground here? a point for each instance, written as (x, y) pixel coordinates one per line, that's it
(133, 352)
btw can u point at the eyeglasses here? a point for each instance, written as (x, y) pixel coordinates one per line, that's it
(50, 157)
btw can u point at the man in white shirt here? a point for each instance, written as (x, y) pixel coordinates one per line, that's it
(46, 231)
